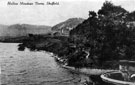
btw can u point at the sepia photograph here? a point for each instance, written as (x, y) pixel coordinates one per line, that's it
(67, 42)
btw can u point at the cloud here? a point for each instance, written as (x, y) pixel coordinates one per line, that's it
(51, 15)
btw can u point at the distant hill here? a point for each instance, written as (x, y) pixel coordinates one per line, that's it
(18, 30)
(63, 28)
(2, 28)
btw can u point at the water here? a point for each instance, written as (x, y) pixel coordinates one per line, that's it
(33, 68)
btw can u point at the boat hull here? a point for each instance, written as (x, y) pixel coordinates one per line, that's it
(107, 77)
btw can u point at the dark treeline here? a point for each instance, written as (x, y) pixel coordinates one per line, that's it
(100, 41)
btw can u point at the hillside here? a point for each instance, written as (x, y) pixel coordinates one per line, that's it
(64, 28)
(99, 42)
(2, 28)
(107, 34)
(18, 30)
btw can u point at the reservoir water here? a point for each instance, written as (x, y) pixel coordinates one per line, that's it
(33, 68)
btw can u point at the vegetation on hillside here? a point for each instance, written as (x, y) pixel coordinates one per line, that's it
(106, 34)
(100, 41)
(64, 28)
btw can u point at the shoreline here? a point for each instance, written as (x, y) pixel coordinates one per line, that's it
(87, 71)
(84, 70)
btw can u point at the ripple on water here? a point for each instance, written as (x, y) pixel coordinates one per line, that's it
(32, 68)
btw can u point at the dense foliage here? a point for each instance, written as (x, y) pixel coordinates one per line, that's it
(105, 36)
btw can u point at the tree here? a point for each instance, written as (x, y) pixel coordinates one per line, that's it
(108, 8)
(92, 14)
(106, 34)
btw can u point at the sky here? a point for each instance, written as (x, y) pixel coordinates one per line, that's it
(52, 14)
